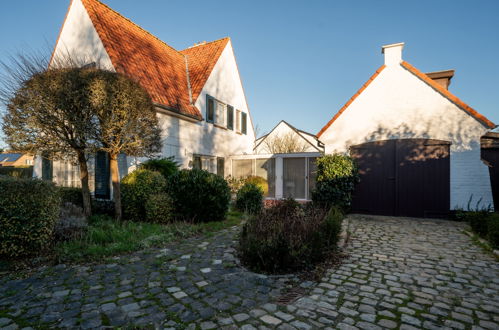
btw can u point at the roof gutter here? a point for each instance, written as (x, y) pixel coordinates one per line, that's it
(174, 112)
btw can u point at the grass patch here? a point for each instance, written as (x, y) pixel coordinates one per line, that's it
(106, 237)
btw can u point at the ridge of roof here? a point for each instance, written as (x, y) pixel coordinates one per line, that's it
(202, 59)
(137, 53)
(344, 107)
(451, 97)
(131, 22)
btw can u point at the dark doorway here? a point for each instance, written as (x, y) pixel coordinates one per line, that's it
(490, 156)
(406, 177)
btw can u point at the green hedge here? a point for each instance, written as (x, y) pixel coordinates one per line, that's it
(71, 195)
(484, 223)
(136, 188)
(199, 196)
(29, 210)
(17, 172)
(336, 178)
(249, 199)
(288, 237)
(166, 166)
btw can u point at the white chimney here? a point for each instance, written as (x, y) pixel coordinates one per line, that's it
(393, 53)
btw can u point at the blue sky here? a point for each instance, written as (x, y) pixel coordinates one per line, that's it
(302, 60)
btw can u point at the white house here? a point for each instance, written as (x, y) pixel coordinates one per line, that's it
(284, 137)
(198, 92)
(418, 145)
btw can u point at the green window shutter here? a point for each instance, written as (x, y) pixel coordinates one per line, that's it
(210, 109)
(230, 117)
(47, 169)
(102, 175)
(243, 123)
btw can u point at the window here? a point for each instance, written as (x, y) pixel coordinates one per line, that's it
(210, 109)
(29, 161)
(220, 114)
(207, 163)
(243, 123)
(242, 168)
(221, 166)
(230, 117)
(238, 121)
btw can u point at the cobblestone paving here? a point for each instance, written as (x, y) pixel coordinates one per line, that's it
(407, 274)
(401, 273)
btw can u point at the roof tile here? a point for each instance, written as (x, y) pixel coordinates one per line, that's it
(158, 67)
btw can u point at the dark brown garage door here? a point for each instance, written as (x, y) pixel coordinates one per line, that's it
(407, 177)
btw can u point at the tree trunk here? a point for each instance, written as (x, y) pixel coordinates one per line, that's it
(85, 190)
(115, 177)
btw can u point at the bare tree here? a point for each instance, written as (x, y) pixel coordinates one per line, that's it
(286, 143)
(127, 122)
(48, 111)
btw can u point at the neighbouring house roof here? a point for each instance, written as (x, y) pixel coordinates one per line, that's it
(10, 157)
(432, 83)
(319, 145)
(174, 79)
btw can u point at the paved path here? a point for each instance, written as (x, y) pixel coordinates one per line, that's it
(401, 273)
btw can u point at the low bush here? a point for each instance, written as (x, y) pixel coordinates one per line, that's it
(136, 188)
(336, 178)
(234, 184)
(29, 209)
(103, 207)
(71, 195)
(493, 230)
(199, 196)
(17, 172)
(159, 208)
(249, 199)
(72, 223)
(260, 182)
(478, 221)
(288, 237)
(166, 166)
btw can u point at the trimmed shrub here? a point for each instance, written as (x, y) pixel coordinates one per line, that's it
(72, 223)
(71, 195)
(29, 209)
(288, 237)
(478, 221)
(17, 172)
(166, 166)
(249, 199)
(493, 230)
(260, 182)
(136, 188)
(103, 207)
(336, 178)
(159, 208)
(199, 196)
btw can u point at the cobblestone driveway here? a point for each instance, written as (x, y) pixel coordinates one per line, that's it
(401, 273)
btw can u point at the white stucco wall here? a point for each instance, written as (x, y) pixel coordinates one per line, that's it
(79, 40)
(396, 105)
(183, 138)
(281, 130)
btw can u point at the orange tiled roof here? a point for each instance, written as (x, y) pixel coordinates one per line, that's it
(343, 108)
(454, 99)
(202, 59)
(158, 67)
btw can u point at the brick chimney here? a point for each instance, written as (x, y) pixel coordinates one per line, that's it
(442, 77)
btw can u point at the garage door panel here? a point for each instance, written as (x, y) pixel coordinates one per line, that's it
(409, 177)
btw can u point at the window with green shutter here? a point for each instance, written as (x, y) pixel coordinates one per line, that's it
(230, 117)
(243, 123)
(210, 109)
